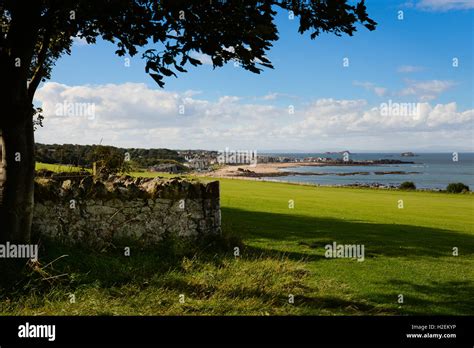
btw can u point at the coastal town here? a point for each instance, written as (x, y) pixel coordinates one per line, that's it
(205, 161)
(249, 165)
(223, 163)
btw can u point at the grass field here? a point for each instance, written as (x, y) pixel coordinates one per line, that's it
(70, 168)
(57, 167)
(408, 252)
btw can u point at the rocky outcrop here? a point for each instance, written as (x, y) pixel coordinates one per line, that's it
(79, 209)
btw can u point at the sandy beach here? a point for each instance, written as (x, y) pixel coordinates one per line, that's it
(266, 170)
(270, 169)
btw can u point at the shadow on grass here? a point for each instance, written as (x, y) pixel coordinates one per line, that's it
(351, 307)
(302, 234)
(70, 266)
(443, 298)
(275, 236)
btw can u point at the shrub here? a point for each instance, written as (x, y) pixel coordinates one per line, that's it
(108, 160)
(407, 185)
(457, 187)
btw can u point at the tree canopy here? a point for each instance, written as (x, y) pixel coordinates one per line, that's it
(83, 155)
(40, 31)
(35, 33)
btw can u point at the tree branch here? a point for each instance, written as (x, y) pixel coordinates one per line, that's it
(39, 71)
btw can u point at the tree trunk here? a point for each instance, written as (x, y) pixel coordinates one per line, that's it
(17, 170)
(16, 120)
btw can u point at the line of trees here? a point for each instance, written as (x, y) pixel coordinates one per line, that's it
(85, 155)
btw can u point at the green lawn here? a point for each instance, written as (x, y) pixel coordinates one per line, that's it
(408, 252)
(57, 167)
(71, 168)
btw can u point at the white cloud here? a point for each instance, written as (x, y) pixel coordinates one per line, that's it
(203, 58)
(135, 115)
(79, 41)
(426, 90)
(277, 95)
(444, 5)
(270, 96)
(380, 91)
(409, 68)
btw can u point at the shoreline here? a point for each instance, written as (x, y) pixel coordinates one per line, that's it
(373, 185)
(270, 172)
(265, 170)
(357, 185)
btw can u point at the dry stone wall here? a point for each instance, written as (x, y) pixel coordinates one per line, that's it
(100, 213)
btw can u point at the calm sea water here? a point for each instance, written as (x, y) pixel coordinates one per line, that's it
(436, 170)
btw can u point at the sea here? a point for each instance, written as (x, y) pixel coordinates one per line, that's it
(434, 171)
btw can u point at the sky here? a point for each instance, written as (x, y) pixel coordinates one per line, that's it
(407, 86)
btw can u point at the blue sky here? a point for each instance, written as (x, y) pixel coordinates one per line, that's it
(405, 61)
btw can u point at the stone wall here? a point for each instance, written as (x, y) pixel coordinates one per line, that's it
(100, 213)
